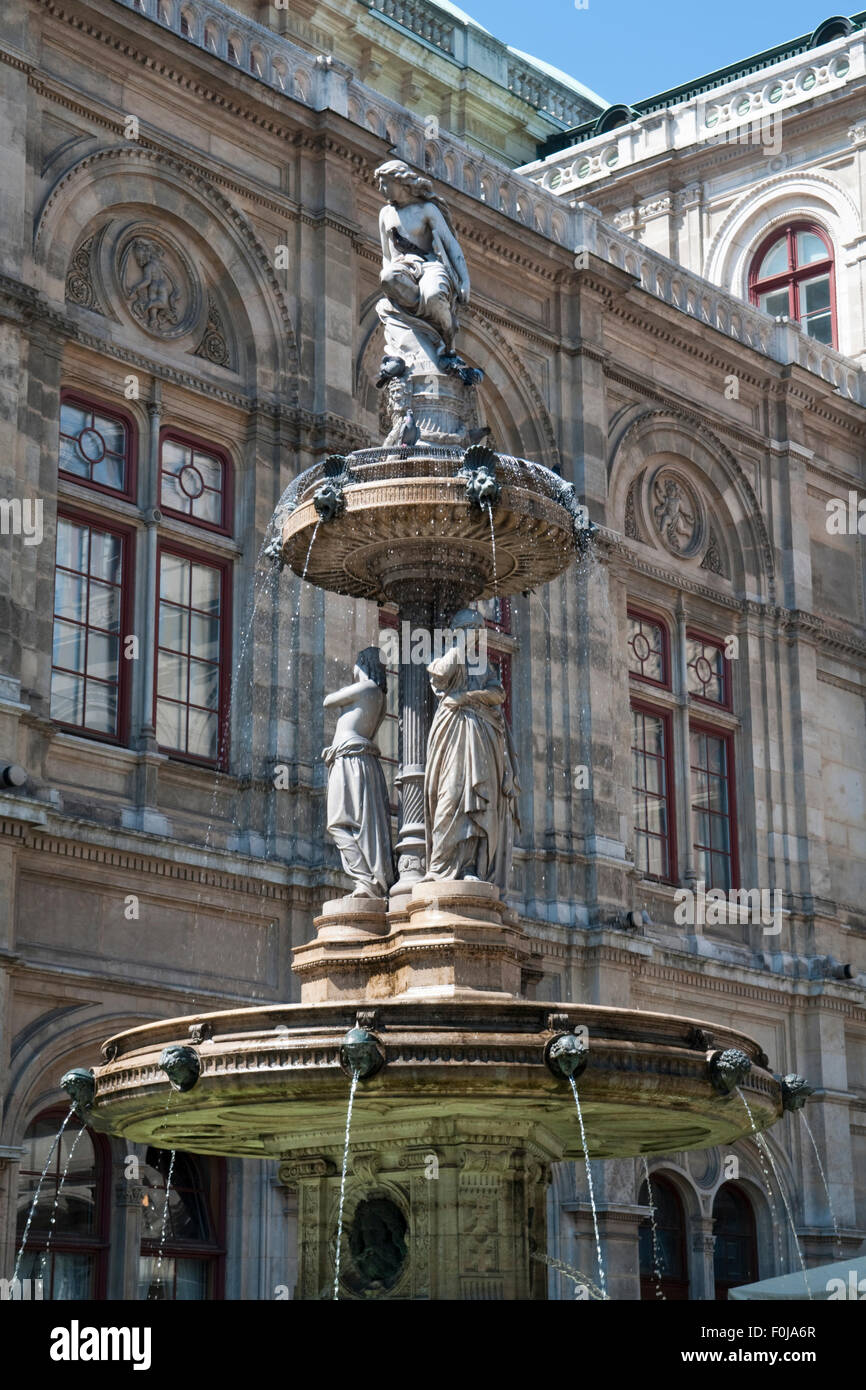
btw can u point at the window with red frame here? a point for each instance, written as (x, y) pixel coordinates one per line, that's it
(648, 649)
(713, 820)
(191, 676)
(708, 670)
(192, 1255)
(92, 593)
(67, 1241)
(652, 793)
(792, 274)
(97, 446)
(194, 481)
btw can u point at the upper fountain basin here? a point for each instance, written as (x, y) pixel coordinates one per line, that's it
(273, 1080)
(405, 525)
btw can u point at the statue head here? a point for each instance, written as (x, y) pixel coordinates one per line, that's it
(395, 176)
(466, 618)
(401, 185)
(370, 663)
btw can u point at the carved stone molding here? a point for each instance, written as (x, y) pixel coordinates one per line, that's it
(213, 346)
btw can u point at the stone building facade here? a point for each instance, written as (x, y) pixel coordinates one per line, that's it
(188, 279)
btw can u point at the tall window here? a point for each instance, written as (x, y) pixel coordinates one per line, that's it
(666, 1265)
(92, 612)
(701, 774)
(712, 806)
(192, 675)
(792, 274)
(735, 1251)
(652, 792)
(192, 1262)
(69, 1256)
(97, 446)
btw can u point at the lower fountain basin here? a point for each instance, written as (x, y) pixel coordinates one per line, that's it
(271, 1083)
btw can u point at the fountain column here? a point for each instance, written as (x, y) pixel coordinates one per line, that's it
(415, 705)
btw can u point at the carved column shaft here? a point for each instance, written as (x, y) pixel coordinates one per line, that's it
(416, 712)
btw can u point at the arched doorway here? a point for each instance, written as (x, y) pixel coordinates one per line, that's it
(735, 1257)
(673, 1270)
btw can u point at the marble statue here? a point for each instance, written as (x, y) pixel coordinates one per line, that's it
(359, 816)
(471, 777)
(424, 274)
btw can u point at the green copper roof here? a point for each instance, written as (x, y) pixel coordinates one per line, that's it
(675, 95)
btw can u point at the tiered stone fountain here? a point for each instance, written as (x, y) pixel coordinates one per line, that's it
(422, 986)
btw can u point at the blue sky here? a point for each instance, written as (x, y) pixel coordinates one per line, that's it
(628, 49)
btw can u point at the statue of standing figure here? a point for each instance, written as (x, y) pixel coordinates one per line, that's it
(471, 777)
(424, 274)
(359, 814)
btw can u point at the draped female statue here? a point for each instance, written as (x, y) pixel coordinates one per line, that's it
(359, 814)
(470, 780)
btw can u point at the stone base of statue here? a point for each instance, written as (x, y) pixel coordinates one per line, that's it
(451, 939)
(444, 408)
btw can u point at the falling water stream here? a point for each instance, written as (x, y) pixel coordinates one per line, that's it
(576, 1276)
(657, 1269)
(839, 1251)
(763, 1145)
(352, 1089)
(164, 1231)
(573, 1085)
(493, 549)
(56, 1141)
(43, 1263)
(768, 1184)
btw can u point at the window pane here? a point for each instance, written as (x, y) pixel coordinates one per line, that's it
(712, 829)
(174, 578)
(205, 588)
(815, 294)
(71, 460)
(820, 327)
(775, 261)
(810, 248)
(109, 472)
(777, 303)
(105, 556)
(104, 606)
(202, 738)
(169, 725)
(67, 698)
(69, 646)
(70, 596)
(204, 637)
(204, 684)
(171, 678)
(102, 654)
(113, 433)
(173, 627)
(71, 544)
(100, 707)
(73, 418)
(191, 482)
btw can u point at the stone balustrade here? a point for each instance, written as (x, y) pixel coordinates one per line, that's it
(425, 21)
(748, 110)
(323, 83)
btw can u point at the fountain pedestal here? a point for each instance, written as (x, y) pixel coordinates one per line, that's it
(464, 1204)
(453, 939)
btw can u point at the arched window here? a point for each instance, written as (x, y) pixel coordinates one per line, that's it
(670, 1255)
(70, 1256)
(735, 1256)
(792, 274)
(192, 1262)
